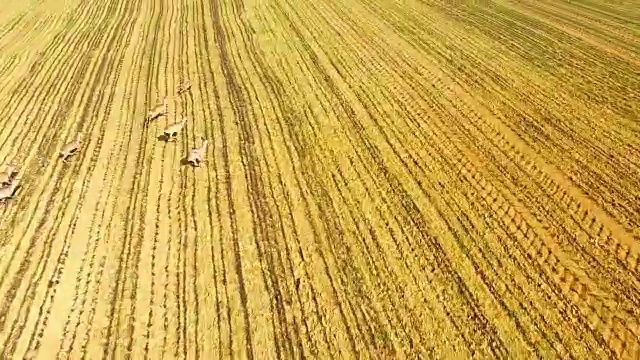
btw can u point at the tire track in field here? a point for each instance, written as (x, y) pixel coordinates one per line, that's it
(173, 283)
(339, 63)
(183, 326)
(44, 314)
(343, 194)
(308, 119)
(137, 229)
(187, 107)
(189, 110)
(162, 231)
(302, 151)
(130, 250)
(581, 178)
(107, 65)
(19, 278)
(366, 97)
(276, 102)
(118, 293)
(265, 218)
(161, 234)
(241, 115)
(126, 140)
(333, 221)
(206, 69)
(281, 296)
(157, 223)
(596, 234)
(225, 135)
(251, 147)
(409, 206)
(90, 257)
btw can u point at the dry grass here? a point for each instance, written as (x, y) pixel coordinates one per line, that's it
(394, 179)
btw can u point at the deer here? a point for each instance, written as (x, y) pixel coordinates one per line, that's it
(184, 87)
(196, 156)
(8, 174)
(7, 192)
(70, 148)
(172, 130)
(159, 110)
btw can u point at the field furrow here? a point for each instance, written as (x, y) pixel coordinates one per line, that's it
(382, 179)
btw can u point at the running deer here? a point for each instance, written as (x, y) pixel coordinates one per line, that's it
(70, 148)
(159, 110)
(172, 130)
(7, 192)
(196, 156)
(8, 174)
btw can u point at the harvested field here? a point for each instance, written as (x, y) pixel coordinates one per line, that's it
(383, 179)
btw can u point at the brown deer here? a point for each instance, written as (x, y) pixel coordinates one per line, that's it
(196, 156)
(172, 130)
(158, 110)
(70, 148)
(8, 174)
(7, 192)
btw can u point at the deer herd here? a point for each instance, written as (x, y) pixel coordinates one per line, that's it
(9, 173)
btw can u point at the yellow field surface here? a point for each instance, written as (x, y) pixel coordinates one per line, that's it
(384, 179)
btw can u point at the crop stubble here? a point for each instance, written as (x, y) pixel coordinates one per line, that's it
(416, 177)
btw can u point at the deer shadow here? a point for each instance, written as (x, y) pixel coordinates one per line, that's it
(185, 162)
